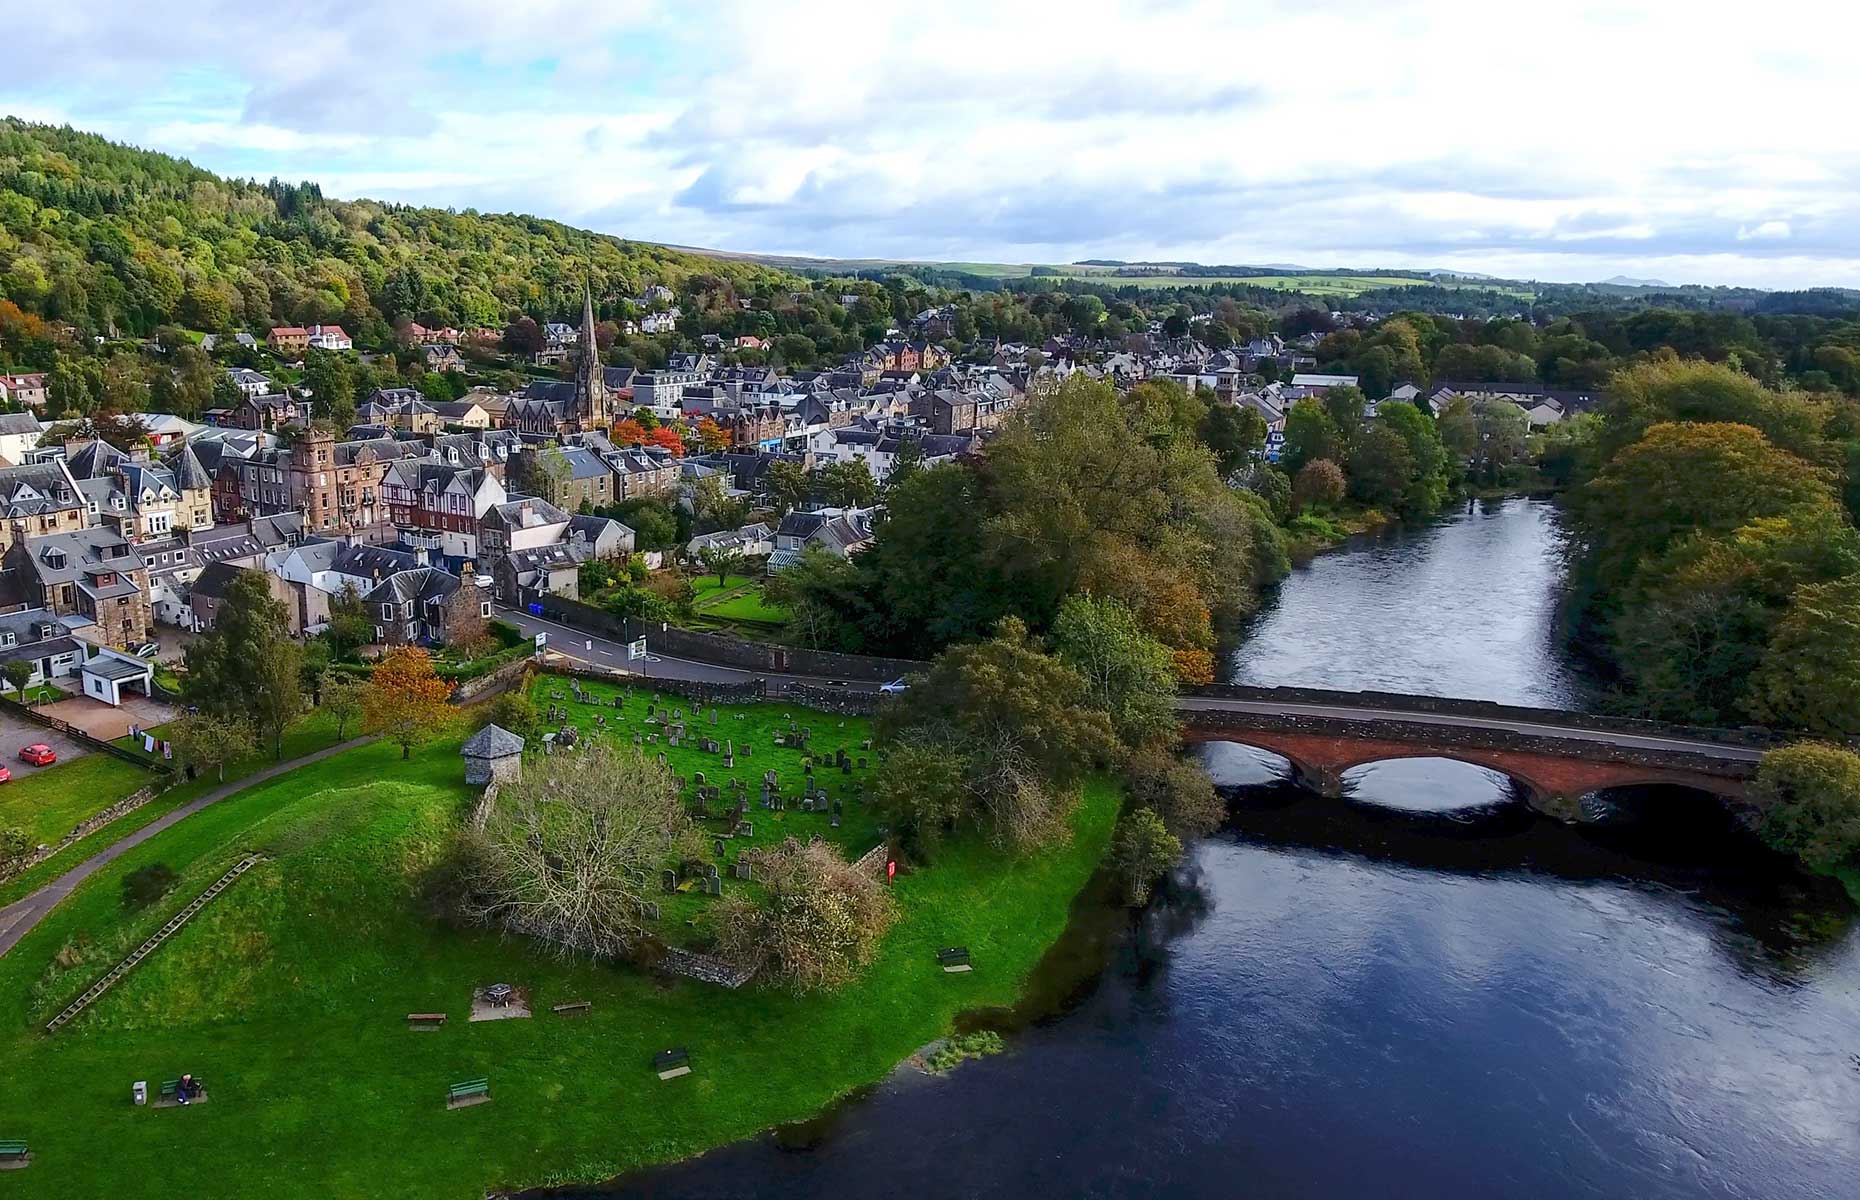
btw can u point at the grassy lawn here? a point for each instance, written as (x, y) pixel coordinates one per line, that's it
(48, 804)
(739, 598)
(288, 996)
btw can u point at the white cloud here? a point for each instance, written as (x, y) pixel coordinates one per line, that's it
(1421, 133)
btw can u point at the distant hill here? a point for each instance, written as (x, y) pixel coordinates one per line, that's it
(111, 237)
(1626, 281)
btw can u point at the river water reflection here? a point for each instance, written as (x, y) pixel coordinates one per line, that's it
(1422, 990)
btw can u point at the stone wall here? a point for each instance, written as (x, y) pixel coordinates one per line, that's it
(830, 699)
(705, 968)
(86, 827)
(727, 651)
(500, 680)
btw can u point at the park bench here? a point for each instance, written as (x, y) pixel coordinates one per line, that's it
(13, 1155)
(954, 959)
(171, 1090)
(470, 1091)
(569, 1008)
(670, 1064)
(425, 1020)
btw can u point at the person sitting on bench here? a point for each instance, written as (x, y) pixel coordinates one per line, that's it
(187, 1089)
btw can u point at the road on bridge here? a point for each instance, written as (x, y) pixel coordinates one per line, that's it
(1339, 712)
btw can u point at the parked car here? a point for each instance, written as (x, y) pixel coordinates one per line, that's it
(39, 755)
(894, 687)
(147, 650)
(6, 775)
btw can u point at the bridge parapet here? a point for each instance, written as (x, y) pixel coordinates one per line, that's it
(1750, 737)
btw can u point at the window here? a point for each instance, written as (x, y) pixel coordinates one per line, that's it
(387, 612)
(484, 610)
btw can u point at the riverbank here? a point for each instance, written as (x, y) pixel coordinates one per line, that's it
(289, 996)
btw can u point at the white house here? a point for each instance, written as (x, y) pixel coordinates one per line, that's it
(19, 435)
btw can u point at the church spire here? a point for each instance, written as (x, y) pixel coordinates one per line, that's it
(590, 382)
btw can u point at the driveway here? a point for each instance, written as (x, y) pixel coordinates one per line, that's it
(16, 733)
(106, 723)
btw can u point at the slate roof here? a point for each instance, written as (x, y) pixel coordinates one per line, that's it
(493, 741)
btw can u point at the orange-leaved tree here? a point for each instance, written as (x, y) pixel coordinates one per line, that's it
(406, 699)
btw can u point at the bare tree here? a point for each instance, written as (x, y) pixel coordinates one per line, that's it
(570, 852)
(818, 922)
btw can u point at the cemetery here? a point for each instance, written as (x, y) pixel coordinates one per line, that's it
(329, 1005)
(751, 776)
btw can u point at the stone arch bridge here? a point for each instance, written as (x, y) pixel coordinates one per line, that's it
(1556, 757)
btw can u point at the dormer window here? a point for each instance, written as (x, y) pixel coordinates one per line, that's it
(7, 637)
(54, 558)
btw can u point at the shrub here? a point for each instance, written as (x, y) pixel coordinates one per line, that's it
(1177, 790)
(145, 885)
(515, 711)
(957, 1050)
(818, 922)
(1812, 792)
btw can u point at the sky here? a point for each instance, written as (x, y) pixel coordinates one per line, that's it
(1694, 142)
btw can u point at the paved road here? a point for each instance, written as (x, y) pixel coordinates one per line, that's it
(17, 919)
(606, 652)
(1628, 741)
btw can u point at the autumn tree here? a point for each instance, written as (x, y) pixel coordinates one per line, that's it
(712, 437)
(1177, 789)
(406, 698)
(1318, 482)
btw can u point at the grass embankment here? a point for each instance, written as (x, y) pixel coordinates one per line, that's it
(289, 996)
(1316, 530)
(49, 804)
(738, 600)
(315, 732)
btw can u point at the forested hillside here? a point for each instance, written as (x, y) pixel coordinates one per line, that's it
(114, 239)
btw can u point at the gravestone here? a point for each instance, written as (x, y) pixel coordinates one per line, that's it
(745, 829)
(663, 761)
(713, 716)
(672, 741)
(697, 777)
(651, 708)
(833, 822)
(713, 886)
(668, 880)
(678, 714)
(845, 767)
(710, 870)
(717, 846)
(651, 910)
(770, 779)
(729, 753)
(745, 869)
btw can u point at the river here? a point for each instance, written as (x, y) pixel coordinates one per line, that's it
(1425, 989)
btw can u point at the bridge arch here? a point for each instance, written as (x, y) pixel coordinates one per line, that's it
(1552, 784)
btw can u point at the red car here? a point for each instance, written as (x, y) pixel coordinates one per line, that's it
(39, 755)
(6, 776)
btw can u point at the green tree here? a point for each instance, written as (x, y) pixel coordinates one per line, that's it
(1810, 674)
(1380, 467)
(1427, 474)
(1130, 675)
(722, 561)
(1810, 793)
(330, 377)
(1176, 789)
(786, 484)
(17, 673)
(341, 696)
(547, 473)
(204, 740)
(249, 667)
(1142, 851)
(848, 484)
(1310, 433)
(1345, 408)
